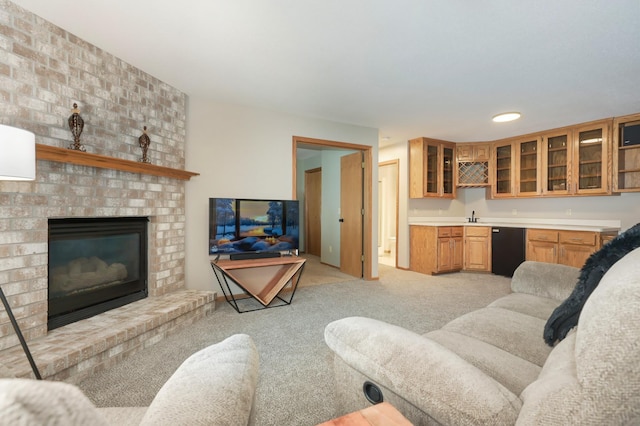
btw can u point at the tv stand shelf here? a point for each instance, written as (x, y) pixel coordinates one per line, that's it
(261, 279)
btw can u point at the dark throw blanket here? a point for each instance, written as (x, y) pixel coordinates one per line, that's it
(565, 316)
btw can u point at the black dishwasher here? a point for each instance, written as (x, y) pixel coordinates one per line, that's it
(507, 250)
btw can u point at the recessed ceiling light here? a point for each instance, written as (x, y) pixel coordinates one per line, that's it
(506, 116)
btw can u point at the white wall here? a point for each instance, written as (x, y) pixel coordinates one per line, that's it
(247, 153)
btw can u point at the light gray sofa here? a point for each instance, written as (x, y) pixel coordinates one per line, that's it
(492, 366)
(214, 386)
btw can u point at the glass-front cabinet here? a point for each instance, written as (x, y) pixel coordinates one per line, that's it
(503, 173)
(555, 160)
(528, 167)
(590, 166)
(626, 158)
(448, 162)
(431, 168)
(431, 181)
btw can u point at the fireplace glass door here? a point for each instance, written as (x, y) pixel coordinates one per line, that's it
(95, 264)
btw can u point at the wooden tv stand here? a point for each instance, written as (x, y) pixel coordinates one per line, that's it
(261, 279)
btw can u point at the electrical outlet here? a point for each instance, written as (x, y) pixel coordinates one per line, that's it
(330, 249)
(514, 212)
(568, 212)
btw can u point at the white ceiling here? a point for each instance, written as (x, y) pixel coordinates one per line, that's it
(437, 68)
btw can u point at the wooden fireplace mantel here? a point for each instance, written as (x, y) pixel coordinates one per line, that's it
(65, 155)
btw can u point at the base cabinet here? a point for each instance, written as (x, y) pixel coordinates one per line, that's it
(571, 248)
(477, 248)
(436, 249)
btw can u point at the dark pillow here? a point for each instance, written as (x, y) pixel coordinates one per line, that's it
(565, 316)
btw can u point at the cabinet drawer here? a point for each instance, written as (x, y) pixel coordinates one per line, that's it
(450, 231)
(477, 231)
(542, 235)
(444, 231)
(585, 238)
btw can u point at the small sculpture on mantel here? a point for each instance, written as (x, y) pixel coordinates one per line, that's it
(76, 124)
(144, 142)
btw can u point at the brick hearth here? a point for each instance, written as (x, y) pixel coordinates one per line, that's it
(78, 350)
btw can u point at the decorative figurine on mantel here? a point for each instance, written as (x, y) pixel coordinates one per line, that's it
(76, 124)
(144, 142)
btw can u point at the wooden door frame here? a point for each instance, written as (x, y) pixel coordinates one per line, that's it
(367, 152)
(396, 163)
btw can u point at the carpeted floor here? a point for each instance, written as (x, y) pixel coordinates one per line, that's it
(295, 385)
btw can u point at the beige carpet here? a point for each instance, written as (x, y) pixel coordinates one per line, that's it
(316, 273)
(296, 377)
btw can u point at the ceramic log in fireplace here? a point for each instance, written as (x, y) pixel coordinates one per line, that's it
(95, 264)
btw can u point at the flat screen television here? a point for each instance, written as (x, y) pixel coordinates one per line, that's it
(249, 225)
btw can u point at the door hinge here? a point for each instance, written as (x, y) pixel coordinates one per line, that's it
(362, 212)
(362, 258)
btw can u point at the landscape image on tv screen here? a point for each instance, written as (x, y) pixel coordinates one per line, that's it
(243, 225)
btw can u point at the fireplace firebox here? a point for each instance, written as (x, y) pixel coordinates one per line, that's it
(95, 265)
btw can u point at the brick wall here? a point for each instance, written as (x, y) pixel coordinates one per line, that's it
(43, 71)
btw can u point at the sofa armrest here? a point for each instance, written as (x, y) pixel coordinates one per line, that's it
(215, 386)
(542, 279)
(421, 371)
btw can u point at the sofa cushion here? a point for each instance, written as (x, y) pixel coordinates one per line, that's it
(514, 332)
(37, 402)
(550, 280)
(511, 371)
(528, 304)
(214, 386)
(565, 316)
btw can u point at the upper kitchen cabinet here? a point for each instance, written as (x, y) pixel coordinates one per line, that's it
(431, 168)
(626, 153)
(555, 163)
(591, 159)
(502, 177)
(528, 162)
(472, 164)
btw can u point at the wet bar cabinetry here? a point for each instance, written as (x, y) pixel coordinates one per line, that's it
(477, 248)
(570, 161)
(431, 168)
(472, 164)
(503, 176)
(626, 161)
(571, 248)
(596, 158)
(436, 249)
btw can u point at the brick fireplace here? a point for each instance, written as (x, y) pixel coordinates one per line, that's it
(44, 70)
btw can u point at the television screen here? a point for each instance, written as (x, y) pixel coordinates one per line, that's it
(245, 225)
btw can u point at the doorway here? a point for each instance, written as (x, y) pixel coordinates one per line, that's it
(304, 143)
(388, 181)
